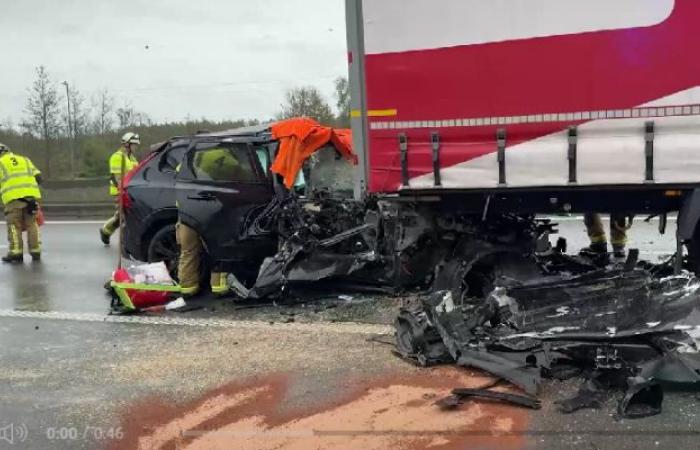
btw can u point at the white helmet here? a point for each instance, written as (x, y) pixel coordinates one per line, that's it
(131, 138)
(4, 148)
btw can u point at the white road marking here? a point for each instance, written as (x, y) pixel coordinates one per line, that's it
(70, 222)
(604, 218)
(325, 327)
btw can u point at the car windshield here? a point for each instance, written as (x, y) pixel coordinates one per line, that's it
(327, 170)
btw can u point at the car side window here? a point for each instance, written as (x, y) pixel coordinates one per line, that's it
(223, 163)
(172, 159)
(263, 158)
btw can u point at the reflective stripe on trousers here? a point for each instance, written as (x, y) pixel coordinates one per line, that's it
(19, 218)
(219, 283)
(189, 266)
(113, 222)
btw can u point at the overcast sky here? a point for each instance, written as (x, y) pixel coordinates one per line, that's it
(220, 59)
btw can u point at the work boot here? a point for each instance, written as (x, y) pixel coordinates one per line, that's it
(219, 295)
(594, 250)
(189, 293)
(12, 259)
(36, 257)
(104, 237)
(619, 252)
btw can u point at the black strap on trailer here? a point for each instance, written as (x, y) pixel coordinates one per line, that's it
(573, 150)
(435, 141)
(403, 149)
(501, 142)
(649, 151)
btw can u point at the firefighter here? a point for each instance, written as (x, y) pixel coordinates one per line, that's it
(123, 158)
(189, 265)
(19, 189)
(213, 164)
(599, 241)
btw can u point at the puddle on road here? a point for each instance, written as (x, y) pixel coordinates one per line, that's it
(395, 412)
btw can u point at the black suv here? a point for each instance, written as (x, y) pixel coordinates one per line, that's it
(232, 208)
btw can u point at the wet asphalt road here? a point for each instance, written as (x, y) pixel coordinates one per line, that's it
(70, 277)
(80, 375)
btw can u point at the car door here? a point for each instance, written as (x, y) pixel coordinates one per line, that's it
(218, 186)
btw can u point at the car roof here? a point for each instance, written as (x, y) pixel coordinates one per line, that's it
(254, 130)
(257, 133)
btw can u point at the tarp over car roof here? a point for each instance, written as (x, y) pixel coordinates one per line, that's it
(299, 139)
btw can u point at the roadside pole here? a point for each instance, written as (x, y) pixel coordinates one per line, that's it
(121, 212)
(71, 144)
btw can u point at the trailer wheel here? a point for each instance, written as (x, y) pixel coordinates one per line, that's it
(693, 247)
(471, 281)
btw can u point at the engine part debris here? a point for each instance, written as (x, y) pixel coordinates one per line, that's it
(589, 396)
(459, 395)
(642, 399)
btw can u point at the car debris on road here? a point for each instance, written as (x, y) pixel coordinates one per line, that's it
(619, 328)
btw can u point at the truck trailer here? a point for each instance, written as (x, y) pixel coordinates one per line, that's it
(470, 117)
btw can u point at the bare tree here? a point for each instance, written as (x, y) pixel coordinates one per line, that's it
(79, 113)
(126, 115)
(142, 119)
(43, 112)
(342, 101)
(7, 125)
(103, 103)
(306, 102)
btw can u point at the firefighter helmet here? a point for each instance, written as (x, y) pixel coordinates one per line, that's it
(130, 138)
(4, 148)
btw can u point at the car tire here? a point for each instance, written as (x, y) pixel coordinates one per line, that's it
(163, 246)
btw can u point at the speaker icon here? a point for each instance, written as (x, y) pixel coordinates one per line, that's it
(14, 433)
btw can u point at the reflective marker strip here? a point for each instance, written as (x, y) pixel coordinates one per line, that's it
(582, 116)
(317, 327)
(375, 113)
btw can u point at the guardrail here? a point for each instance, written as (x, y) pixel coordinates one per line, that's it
(76, 199)
(53, 211)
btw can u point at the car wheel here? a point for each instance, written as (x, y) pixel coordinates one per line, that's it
(163, 247)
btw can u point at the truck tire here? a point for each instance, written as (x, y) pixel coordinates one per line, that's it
(693, 247)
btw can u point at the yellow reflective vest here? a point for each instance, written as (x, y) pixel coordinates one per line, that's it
(17, 178)
(115, 168)
(217, 164)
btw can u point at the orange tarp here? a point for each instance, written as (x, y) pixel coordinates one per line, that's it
(299, 138)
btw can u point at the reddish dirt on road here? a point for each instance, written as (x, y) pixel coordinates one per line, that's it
(393, 412)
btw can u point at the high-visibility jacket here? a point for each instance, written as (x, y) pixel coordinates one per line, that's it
(17, 178)
(115, 167)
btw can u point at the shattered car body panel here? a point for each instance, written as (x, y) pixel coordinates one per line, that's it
(617, 327)
(320, 238)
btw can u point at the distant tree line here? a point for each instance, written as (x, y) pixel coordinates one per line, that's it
(69, 135)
